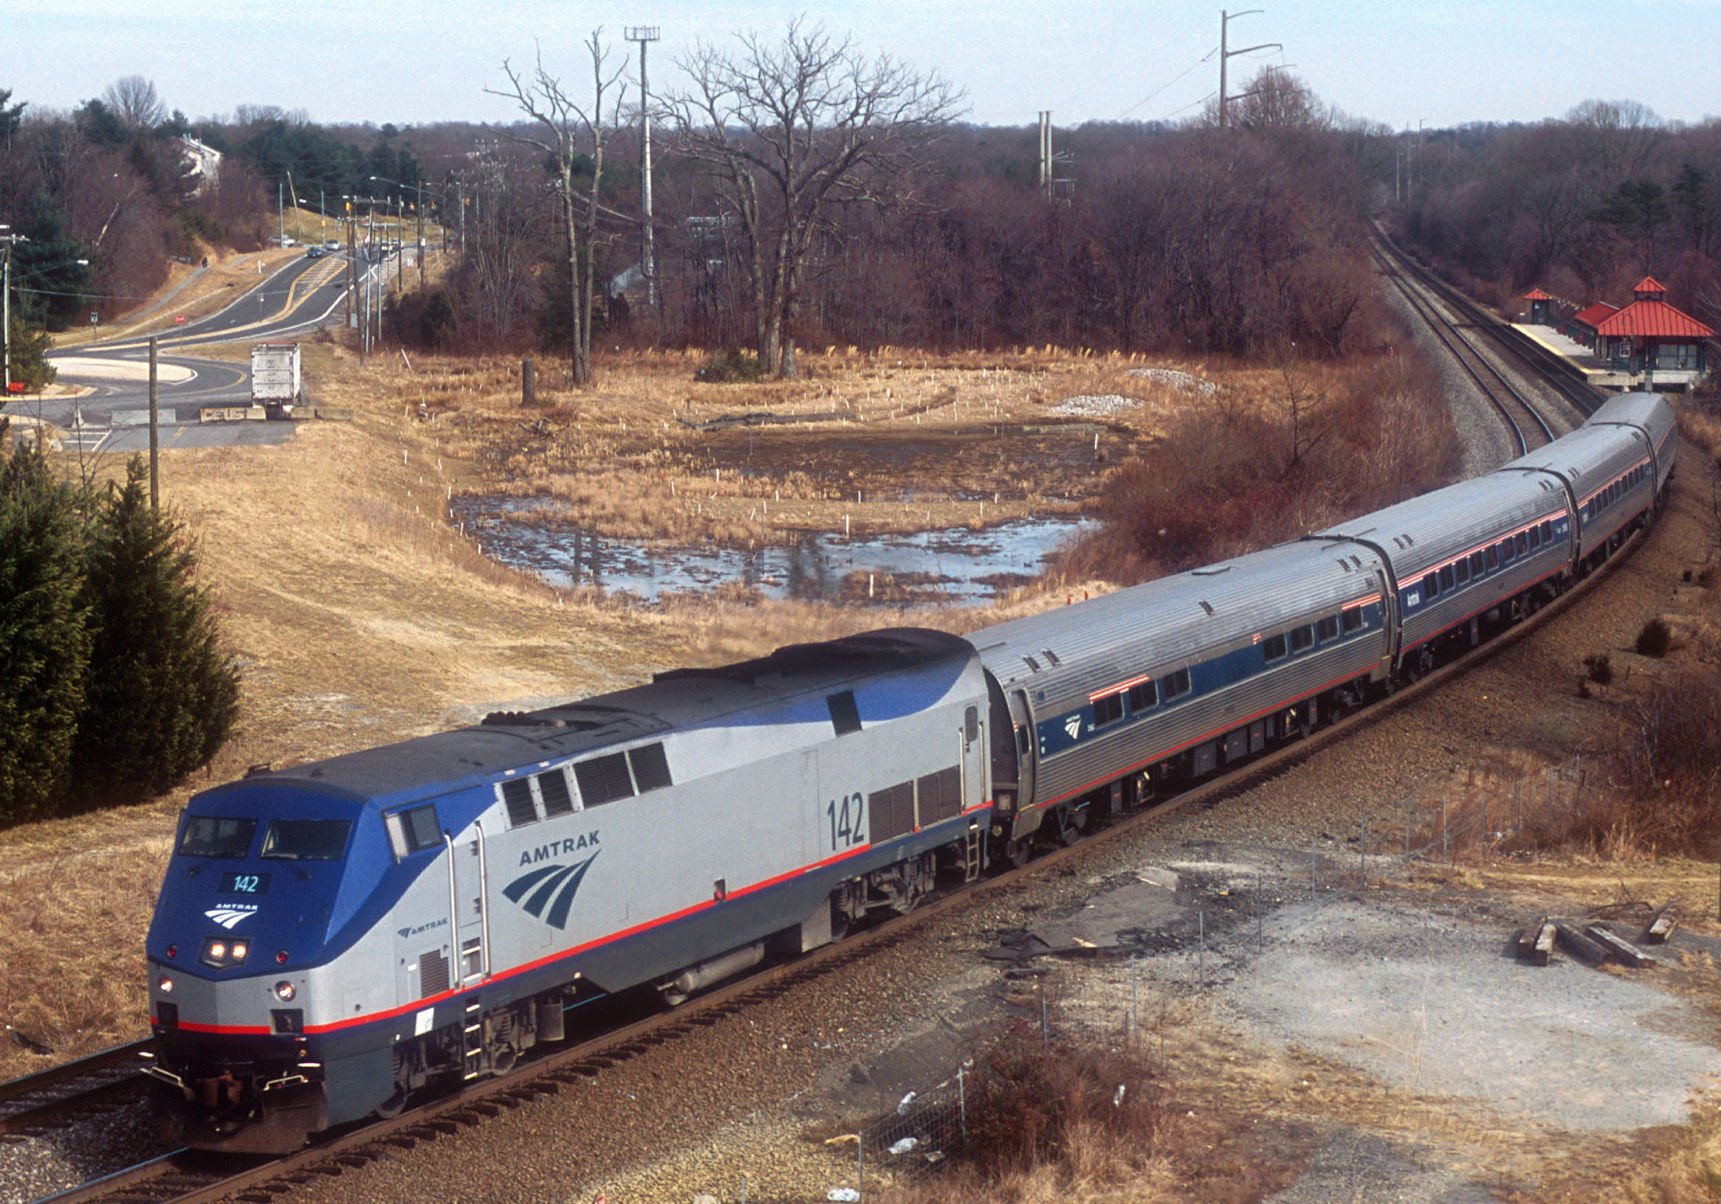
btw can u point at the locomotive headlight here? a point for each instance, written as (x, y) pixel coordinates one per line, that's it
(238, 950)
(284, 991)
(217, 951)
(165, 985)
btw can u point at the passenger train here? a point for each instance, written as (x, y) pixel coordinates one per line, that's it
(332, 937)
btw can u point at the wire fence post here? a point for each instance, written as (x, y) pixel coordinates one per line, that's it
(1045, 1019)
(1132, 999)
(1445, 837)
(962, 1102)
(860, 1166)
(1201, 921)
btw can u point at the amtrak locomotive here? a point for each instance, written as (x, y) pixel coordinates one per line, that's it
(332, 937)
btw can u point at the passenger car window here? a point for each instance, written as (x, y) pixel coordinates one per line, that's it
(1352, 617)
(1108, 709)
(1176, 684)
(1327, 628)
(1302, 638)
(1273, 648)
(1142, 697)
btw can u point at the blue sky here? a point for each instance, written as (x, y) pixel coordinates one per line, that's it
(1435, 62)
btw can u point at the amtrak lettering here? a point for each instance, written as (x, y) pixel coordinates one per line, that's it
(573, 844)
(548, 892)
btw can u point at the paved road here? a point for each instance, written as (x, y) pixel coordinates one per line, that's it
(301, 297)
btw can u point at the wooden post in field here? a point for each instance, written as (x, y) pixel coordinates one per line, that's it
(528, 382)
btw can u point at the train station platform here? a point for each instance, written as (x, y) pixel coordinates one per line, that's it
(1580, 356)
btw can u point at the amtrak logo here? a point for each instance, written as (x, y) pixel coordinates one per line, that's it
(230, 914)
(1073, 726)
(548, 892)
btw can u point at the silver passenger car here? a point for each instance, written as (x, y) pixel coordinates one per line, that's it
(1456, 555)
(1183, 674)
(1609, 475)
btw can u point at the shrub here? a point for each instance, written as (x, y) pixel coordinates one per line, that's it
(1655, 639)
(1032, 1101)
(732, 366)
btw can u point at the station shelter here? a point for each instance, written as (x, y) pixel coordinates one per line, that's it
(1652, 339)
(1581, 326)
(1541, 307)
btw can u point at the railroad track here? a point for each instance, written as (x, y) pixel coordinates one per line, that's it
(1557, 372)
(1529, 430)
(38, 1103)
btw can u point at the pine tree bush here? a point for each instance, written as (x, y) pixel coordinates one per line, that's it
(44, 637)
(162, 695)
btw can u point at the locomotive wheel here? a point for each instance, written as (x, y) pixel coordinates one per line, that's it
(1016, 853)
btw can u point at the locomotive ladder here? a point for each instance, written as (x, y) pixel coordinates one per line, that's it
(971, 865)
(471, 1039)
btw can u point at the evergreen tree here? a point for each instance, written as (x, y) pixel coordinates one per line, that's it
(44, 639)
(161, 695)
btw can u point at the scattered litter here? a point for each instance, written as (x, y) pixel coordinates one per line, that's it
(906, 1145)
(1095, 406)
(1117, 1096)
(1172, 378)
(902, 1108)
(842, 1193)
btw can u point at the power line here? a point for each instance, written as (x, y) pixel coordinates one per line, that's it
(1196, 65)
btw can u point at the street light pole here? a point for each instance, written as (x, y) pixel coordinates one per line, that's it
(644, 34)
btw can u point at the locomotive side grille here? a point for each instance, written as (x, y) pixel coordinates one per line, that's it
(432, 974)
(940, 795)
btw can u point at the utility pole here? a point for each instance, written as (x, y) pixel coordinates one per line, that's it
(647, 264)
(1046, 152)
(421, 236)
(154, 437)
(7, 239)
(281, 208)
(1226, 54)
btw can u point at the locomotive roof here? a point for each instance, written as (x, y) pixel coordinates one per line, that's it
(679, 698)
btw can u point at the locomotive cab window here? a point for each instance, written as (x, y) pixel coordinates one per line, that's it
(306, 839)
(413, 830)
(214, 836)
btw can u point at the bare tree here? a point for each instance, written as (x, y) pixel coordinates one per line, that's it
(133, 100)
(790, 129)
(573, 138)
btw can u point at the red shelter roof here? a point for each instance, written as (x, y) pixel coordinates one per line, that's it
(1652, 319)
(1594, 315)
(1537, 294)
(1650, 287)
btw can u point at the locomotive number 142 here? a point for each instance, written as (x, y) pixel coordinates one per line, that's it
(847, 817)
